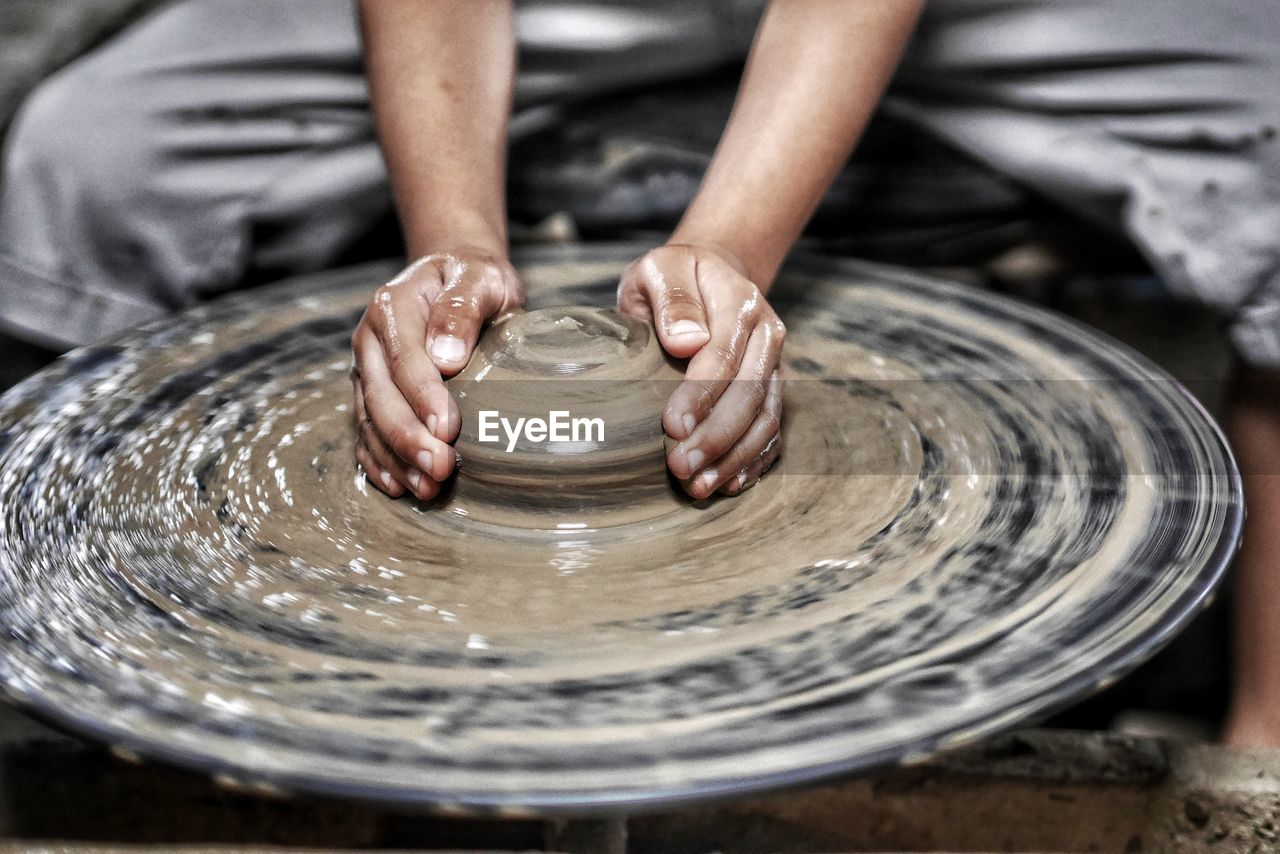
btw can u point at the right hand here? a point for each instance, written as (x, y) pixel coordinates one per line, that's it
(419, 328)
(727, 414)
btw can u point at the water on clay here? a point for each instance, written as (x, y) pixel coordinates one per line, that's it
(980, 511)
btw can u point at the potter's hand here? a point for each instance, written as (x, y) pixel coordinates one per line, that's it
(419, 328)
(726, 415)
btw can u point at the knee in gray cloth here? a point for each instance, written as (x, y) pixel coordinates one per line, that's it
(151, 169)
(76, 168)
(81, 233)
(70, 137)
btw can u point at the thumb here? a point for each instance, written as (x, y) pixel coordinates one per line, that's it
(667, 293)
(471, 296)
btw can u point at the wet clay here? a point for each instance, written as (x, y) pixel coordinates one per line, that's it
(981, 510)
(588, 363)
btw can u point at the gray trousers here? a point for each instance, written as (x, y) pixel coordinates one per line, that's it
(217, 135)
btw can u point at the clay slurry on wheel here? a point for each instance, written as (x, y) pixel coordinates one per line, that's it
(981, 511)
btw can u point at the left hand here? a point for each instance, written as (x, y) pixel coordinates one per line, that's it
(727, 414)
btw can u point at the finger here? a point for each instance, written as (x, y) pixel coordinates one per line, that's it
(375, 474)
(732, 319)
(472, 294)
(392, 474)
(757, 459)
(375, 471)
(385, 470)
(388, 465)
(394, 422)
(754, 443)
(377, 467)
(751, 475)
(398, 317)
(662, 287)
(735, 410)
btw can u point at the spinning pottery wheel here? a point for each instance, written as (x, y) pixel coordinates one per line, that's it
(982, 511)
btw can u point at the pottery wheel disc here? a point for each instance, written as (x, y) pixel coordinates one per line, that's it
(982, 512)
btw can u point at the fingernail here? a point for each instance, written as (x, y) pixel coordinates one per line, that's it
(694, 459)
(448, 349)
(432, 421)
(689, 423)
(685, 327)
(415, 478)
(426, 460)
(741, 480)
(708, 479)
(386, 479)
